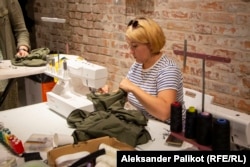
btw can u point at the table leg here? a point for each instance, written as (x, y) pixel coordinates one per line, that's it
(6, 90)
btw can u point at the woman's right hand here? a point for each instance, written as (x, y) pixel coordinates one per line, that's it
(104, 89)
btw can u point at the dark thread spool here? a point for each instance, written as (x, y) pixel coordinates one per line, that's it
(176, 117)
(65, 65)
(204, 128)
(221, 135)
(190, 125)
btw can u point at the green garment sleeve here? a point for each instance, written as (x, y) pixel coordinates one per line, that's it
(37, 57)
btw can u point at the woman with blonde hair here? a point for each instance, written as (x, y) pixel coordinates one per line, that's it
(154, 81)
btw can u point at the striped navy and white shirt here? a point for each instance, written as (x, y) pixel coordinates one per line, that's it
(164, 74)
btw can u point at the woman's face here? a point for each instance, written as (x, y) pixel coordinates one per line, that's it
(140, 51)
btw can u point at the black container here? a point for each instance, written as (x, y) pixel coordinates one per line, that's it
(176, 117)
(204, 128)
(190, 125)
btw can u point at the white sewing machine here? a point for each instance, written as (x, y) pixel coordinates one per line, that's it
(239, 122)
(76, 77)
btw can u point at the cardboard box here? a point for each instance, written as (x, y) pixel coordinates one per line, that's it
(90, 146)
(36, 91)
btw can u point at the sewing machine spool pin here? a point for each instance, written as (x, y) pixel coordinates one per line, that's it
(204, 57)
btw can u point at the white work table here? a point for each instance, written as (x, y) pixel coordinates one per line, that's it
(39, 119)
(7, 70)
(32, 119)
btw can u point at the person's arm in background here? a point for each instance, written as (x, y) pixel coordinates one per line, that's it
(19, 29)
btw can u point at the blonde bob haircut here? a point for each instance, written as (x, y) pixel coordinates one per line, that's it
(146, 31)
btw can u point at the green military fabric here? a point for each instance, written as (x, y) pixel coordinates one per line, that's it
(34, 62)
(115, 102)
(127, 126)
(105, 101)
(36, 58)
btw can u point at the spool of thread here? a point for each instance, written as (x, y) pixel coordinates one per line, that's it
(65, 69)
(221, 135)
(65, 65)
(1, 131)
(18, 146)
(204, 128)
(176, 117)
(190, 125)
(53, 68)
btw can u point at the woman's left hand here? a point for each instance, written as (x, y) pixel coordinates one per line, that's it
(126, 85)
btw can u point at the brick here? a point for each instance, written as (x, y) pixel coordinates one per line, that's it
(173, 35)
(88, 16)
(195, 16)
(178, 15)
(217, 17)
(195, 81)
(211, 6)
(246, 82)
(78, 15)
(218, 87)
(95, 30)
(74, 23)
(202, 29)
(83, 23)
(179, 26)
(72, 7)
(84, 8)
(222, 100)
(235, 90)
(242, 19)
(225, 42)
(246, 44)
(191, 5)
(100, 26)
(79, 30)
(244, 106)
(101, 2)
(236, 7)
(230, 30)
(233, 55)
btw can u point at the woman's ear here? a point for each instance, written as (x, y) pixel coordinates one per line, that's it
(150, 47)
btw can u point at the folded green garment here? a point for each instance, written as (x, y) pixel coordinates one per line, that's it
(34, 62)
(37, 57)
